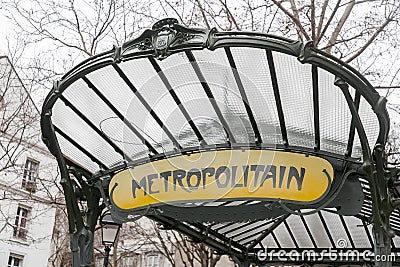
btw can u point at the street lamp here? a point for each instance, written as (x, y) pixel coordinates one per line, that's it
(109, 232)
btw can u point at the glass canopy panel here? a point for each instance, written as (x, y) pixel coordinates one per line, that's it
(395, 220)
(217, 226)
(236, 203)
(317, 230)
(149, 84)
(334, 114)
(239, 232)
(283, 237)
(63, 117)
(96, 110)
(369, 121)
(357, 149)
(396, 241)
(258, 88)
(254, 72)
(269, 242)
(76, 155)
(295, 88)
(213, 204)
(336, 228)
(299, 232)
(366, 211)
(371, 126)
(366, 208)
(357, 233)
(190, 92)
(252, 233)
(122, 97)
(229, 227)
(155, 93)
(226, 93)
(119, 133)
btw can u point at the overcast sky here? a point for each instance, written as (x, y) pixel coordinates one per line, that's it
(7, 32)
(5, 28)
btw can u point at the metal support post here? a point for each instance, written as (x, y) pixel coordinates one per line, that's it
(106, 255)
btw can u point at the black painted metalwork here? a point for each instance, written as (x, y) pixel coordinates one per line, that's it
(347, 231)
(276, 240)
(291, 234)
(352, 133)
(238, 227)
(270, 230)
(310, 235)
(224, 226)
(210, 96)
(251, 223)
(106, 255)
(204, 238)
(97, 130)
(220, 236)
(120, 116)
(250, 235)
(78, 146)
(321, 217)
(277, 97)
(317, 134)
(371, 241)
(147, 106)
(177, 100)
(242, 91)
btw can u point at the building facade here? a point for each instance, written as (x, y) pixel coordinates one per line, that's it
(28, 177)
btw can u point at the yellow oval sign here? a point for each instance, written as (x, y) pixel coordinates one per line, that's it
(223, 175)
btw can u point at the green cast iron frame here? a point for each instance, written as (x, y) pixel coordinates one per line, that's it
(93, 187)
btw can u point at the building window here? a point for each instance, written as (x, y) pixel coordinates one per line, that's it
(99, 262)
(30, 175)
(128, 262)
(21, 223)
(15, 260)
(152, 261)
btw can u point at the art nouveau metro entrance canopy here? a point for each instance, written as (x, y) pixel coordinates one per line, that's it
(238, 140)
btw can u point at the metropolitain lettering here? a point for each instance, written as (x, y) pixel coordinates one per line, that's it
(289, 177)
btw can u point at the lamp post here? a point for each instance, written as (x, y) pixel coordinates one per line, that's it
(109, 232)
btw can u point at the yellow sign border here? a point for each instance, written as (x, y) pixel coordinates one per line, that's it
(223, 175)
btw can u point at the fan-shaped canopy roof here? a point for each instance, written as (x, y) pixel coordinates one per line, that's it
(176, 91)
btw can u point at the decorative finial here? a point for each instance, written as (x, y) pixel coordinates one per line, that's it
(165, 36)
(164, 22)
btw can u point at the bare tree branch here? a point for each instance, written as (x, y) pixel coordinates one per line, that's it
(200, 6)
(229, 14)
(340, 24)
(328, 23)
(313, 29)
(296, 21)
(321, 19)
(78, 28)
(370, 40)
